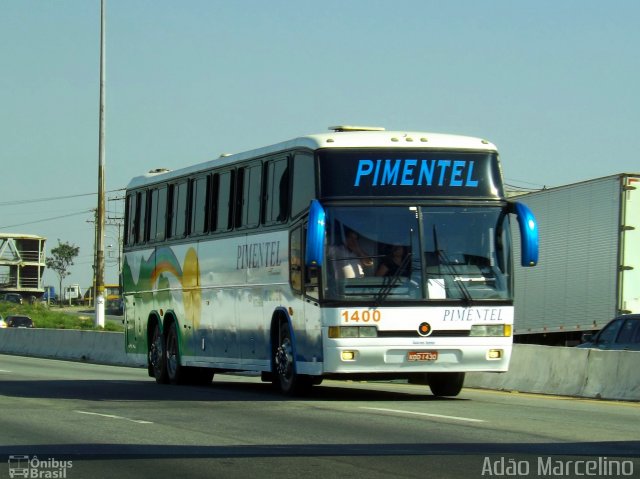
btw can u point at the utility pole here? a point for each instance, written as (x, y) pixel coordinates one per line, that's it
(99, 292)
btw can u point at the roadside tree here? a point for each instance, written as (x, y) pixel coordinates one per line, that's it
(61, 259)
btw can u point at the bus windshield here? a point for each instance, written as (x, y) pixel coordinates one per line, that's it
(410, 253)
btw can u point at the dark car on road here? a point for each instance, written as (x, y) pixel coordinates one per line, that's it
(12, 298)
(19, 322)
(621, 333)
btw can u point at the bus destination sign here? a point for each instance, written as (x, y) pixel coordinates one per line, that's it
(375, 173)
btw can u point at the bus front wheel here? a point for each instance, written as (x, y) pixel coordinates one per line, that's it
(289, 381)
(445, 384)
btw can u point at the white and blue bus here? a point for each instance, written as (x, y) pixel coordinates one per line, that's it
(358, 254)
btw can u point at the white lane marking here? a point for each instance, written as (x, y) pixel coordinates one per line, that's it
(441, 416)
(112, 416)
(4, 371)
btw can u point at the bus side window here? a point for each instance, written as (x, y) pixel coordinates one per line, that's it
(223, 199)
(248, 196)
(158, 214)
(141, 218)
(304, 187)
(276, 192)
(130, 232)
(199, 205)
(153, 213)
(177, 210)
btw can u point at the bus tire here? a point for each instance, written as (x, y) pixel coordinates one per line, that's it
(445, 384)
(157, 359)
(287, 379)
(176, 373)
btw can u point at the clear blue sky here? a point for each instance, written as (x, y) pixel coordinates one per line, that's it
(555, 84)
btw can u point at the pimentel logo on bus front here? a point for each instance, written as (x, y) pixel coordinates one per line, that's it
(414, 172)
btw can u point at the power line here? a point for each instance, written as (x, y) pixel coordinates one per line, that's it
(51, 198)
(48, 219)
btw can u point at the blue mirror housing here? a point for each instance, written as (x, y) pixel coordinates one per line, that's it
(528, 233)
(315, 235)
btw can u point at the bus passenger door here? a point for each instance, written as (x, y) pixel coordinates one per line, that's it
(307, 321)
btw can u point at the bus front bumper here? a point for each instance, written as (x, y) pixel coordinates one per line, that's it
(409, 359)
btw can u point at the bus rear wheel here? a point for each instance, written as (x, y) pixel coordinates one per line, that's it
(287, 379)
(157, 361)
(175, 371)
(445, 384)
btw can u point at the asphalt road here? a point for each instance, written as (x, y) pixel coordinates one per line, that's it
(89, 421)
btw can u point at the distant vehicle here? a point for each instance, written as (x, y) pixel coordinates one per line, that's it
(3, 323)
(19, 322)
(72, 292)
(13, 298)
(589, 269)
(621, 333)
(49, 294)
(112, 297)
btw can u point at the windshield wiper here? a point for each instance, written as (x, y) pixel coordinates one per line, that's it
(388, 286)
(445, 261)
(389, 282)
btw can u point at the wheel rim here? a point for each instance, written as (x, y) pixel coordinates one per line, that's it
(155, 354)
(284, 362)
(172, 355)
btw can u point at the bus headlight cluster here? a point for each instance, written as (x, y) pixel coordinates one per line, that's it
(353, 332)
(490, 330)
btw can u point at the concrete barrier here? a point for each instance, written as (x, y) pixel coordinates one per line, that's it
(76, 345)
(538, 369)
(576, 372)
(613, 374)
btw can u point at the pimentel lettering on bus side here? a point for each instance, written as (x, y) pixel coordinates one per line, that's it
(258, 255)
(414, 172)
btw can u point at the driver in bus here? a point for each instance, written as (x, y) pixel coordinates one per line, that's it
(350, 258)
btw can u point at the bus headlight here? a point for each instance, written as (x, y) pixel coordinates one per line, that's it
(353, 332)
(495, 330)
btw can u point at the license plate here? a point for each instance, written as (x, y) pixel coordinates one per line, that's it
(422, 356)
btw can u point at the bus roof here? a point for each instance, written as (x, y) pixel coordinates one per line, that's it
(341, 137)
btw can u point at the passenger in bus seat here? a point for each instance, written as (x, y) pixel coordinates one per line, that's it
(394, 262)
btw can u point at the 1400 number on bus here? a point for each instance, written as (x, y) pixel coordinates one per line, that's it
(361, 315)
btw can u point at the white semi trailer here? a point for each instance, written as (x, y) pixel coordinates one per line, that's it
(589, 264)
